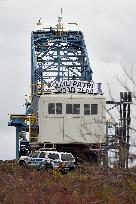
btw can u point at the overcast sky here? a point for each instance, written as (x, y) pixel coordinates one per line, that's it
(110, 34)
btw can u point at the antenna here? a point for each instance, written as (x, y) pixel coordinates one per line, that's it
(60, 17)
(39, 21)
(61, 11)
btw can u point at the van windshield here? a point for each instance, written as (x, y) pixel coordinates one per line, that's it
(67, 157)
(34, 155)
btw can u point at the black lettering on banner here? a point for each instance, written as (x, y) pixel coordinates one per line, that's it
(83, 84)
(58, 85)
(79, 84)
(68, 89)
(82, 90)
(88, 85)
(76, 89)
(64, 90)
(68, 83)
(72, 89)
(64, 83)
(79, 89)
(74, 83)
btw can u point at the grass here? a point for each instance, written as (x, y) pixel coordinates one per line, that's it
(87, 184)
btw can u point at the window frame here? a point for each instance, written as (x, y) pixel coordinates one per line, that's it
(96, 110)
(72, 112)
(89, 109)
(93, 109)
(55, 112)
(49, 109)
(57, 109)
(69, 104)
(75, 108)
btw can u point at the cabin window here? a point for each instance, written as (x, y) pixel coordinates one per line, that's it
(68, 108)
(51, 108)
(94, 109)
(72, 108)
(58, 108)
(76, 108)
(55, 108)
(86, 109)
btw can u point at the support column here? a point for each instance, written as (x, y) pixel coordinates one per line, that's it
(17, 143)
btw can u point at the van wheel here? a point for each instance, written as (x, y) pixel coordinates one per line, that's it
(48, 167)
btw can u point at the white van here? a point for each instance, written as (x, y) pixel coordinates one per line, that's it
(43, 157)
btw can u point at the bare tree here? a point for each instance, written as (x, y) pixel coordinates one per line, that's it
(128, 83)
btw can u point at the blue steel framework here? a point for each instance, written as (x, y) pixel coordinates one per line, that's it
(56, 55)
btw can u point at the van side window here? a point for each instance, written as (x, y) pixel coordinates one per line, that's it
(86, 109)
(53, 156)
(94, 109)
(51, 108)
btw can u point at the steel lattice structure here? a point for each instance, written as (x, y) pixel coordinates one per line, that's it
(57, 56)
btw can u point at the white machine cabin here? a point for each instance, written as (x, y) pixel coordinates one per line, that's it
(71, 118)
